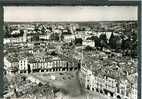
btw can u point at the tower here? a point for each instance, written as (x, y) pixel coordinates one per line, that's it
(25, 37)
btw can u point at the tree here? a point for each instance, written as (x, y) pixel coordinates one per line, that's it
(43, 30)
(23, 78)
(78, 29)
(111, 41)
(103, 41)
(53, 53)
(88, 48)
(35, 38)
(40, 84)
(78, 41)
(54, 36)
(115, 42)
(62, 37)
(36, 28)
(50, 28)
(127, 43)
(103, 37)
(29, 69)
(14, 69)
(92, 38)
(118, 42)
(134, 43)
(96, 40)
(21, 32)
(7, 31)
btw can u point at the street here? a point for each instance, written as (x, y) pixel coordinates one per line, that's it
(69, 85)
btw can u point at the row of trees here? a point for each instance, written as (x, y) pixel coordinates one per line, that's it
(8, 30)
(126, 44)
(120, 43)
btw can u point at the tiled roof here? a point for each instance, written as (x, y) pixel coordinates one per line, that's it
(12, 59)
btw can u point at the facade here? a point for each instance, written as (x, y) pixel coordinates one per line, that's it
(30, 65)
(88, 43)
(106, 85)
(10, 64)
(13, 40)
(134, 92)
(7, 62)
(34, 79)
(68, 38)
(122, 89)
(55, 65)
(21, 39)
(45, 37)
(25, 37)
(23, 65)
(15, 32)
(134, 87)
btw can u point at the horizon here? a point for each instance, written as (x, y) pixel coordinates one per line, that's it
(67, 21)
(69, 13)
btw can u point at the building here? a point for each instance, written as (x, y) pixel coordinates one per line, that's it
(134, 92)
(57, 31)
(44, 37)
(25, 37)
(103, 84)
(133, 78)
(10, 64)
(56, 65)
(15, 32)
(88, 43)
(23, 65)
(122, 89)
(110, 84)
(69, 37)
(13, 40)
(45, 64)
(20, 39)
(34, 79)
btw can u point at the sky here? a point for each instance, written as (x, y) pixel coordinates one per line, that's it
(69, 13)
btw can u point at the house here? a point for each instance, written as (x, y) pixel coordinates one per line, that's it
(23, 65)
(34, 79)
(133, 78)
(13, 40)
(15, 32)
(122, 89)
(44, 37)
(48, 65)
(57, 31)
(10, 64)
(21, 39)
(88, 43)
(104, 85)
(110, 84)
(69, 37)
